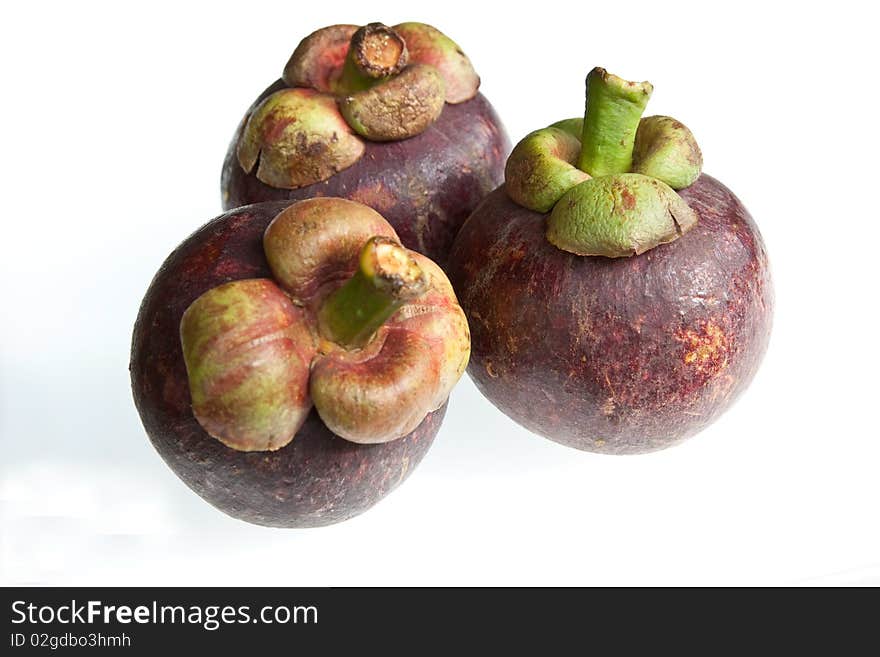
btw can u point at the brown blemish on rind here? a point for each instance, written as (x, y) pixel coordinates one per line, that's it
(707, 348)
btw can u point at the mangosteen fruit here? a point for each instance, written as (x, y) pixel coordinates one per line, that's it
(619, 299)
(388, 117)
(291, 363)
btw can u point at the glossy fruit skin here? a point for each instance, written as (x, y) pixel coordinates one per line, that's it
(425, 186)
(623, 355)
(318, 479)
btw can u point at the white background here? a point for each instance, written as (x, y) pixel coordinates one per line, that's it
(115, 122)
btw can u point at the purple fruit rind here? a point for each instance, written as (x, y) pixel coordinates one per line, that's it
(318, 478)
(624, 355)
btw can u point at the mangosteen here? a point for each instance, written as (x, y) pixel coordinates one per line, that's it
(389, 117)
(619, 299)
(291, 363)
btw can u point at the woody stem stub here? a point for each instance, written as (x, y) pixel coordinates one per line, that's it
(376, 52)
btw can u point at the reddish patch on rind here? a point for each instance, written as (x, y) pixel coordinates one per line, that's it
(629, 200)
(376, 196)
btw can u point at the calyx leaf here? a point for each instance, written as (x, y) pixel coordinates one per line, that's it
(618, 215)
(665, 149)
(542, 168)
(428, 45)
(298, 137)
(400, 107)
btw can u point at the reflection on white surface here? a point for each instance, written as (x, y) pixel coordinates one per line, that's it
(864, 576)
(491, 504)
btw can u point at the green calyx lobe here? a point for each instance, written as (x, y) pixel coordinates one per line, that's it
(247, 350)
(542, 168)
(618, 215)
(608, 179)
(665, 149)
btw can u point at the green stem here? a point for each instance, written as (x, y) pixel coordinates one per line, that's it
(376, 53)
(351, 80)
(387, 277)
(613, 109)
